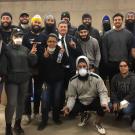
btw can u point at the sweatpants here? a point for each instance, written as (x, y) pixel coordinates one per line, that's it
(16, 94)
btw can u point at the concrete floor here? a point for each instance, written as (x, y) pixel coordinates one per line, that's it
(69, 127)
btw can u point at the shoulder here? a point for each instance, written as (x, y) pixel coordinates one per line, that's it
(94, 75)
(74, 77)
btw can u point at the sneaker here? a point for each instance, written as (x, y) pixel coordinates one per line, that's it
(84, 119)
(27, 119)
(37, 117)
(100, 129)
(133, 126)
(18, 130)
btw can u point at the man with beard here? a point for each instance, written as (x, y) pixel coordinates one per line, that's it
(6, 27)
(117, 44)
(87, 20)
(24, 22)
(50, 25)
(89, 45)
(71, 29)
(130, 22)
(34, 36)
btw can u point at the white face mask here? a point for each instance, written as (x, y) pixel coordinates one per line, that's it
(18, 41)
(51, 50)
(82, 72)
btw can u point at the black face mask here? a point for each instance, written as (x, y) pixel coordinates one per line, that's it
(6, 27)
(130, 25)
(84, 78)
(106, 26)
(36, 29)
(50, 27)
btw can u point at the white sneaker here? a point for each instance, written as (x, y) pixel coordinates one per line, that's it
(100, 129)
(37, 117)
(84, 119)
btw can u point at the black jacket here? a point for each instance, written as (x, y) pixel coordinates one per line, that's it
(51, 70)
(16, 62)
(123, 88)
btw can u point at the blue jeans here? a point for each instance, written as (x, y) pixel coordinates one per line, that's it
(130, 109)
(51, 99)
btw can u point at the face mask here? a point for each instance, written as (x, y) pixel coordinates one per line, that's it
(51, 50)
(18, 41)
(106, 26)
(36, 29)
(82, 72)
(130, 25)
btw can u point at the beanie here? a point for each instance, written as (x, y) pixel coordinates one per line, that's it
(86, 15)
(49, 17)
(83, 27)
(65, 14)
(36, 18)
(6, 14)
(106, 18)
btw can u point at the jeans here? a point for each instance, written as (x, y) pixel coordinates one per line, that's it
(16, 94)
(51, 99)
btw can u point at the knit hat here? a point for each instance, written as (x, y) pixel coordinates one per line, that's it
(65, 14)
(6, 14)
(106, 18)
(36, 18)
(86, 15)
(49, 17)
(83, 27)
(81, 59)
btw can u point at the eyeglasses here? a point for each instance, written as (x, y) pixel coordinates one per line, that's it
(123, 65)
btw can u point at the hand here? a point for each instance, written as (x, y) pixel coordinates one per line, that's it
(34, 49)
(116, 107)
(46, 53)
(66, 111)
(106, 108)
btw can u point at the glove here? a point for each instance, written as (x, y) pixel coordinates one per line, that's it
(124, 104)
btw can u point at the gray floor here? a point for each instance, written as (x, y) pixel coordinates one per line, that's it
(69, 127)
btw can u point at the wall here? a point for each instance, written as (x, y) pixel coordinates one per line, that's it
(97, 8)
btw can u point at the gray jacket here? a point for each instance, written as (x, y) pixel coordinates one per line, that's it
(86, 91)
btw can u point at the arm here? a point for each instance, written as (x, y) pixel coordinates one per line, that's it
(97, 53)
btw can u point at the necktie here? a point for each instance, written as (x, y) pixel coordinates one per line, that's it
(64, 45)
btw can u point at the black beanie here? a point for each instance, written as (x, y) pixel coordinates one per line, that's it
(6, 14)
(83, 27)
(86, 15)
(65, 14)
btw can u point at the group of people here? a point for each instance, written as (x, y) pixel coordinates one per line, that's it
(67, 67)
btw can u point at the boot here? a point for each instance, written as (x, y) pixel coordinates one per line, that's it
(17, 127)
(9, 129)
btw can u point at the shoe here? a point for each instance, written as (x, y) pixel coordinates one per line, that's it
(58, 122)
(42, 125)
(8, 129)
(100, 129)
(17, 127)
(84, 119)
(37, 117)
(27, 119)
(133, 125)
